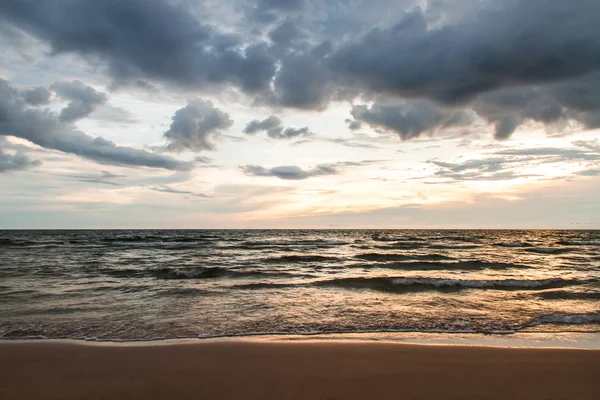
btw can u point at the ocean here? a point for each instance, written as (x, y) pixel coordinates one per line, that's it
(165, 284)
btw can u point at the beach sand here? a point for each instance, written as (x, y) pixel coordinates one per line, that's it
(231, 369)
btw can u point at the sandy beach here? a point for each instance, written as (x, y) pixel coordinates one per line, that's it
(293, 370)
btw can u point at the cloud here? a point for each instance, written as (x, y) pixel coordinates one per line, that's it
(144, 39)
(168, 189)
(505, 164)
(289, 172)
(16, 162)
(562, 154)
(487, 169)
(37, 96)
(83, 99)
(266, 11)
(256, 126)
(44, 128)
(510, 61)
(497, 44)
(353, 143)
(112, 114)
(104, 178)
(589, 172)
(286, 34)
(409, 119)
(292, 172)
(353, 125)
(193, 126)
(274, 128)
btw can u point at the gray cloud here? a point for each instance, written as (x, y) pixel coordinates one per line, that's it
(104, 178)
(289, 133)
(410, 119)
(353, 125)
(37, 96)
(266, 11)
(292, 172)
(44, 128)
(496, 45)
(83, 99)
(111, 114)
(509, 60)
(589, 172)
(16, 162)
(193, 126)
(274, 128)
(562, 154)
(302, 81)
(286, 34)
(256, 126)
(289, 172)
(352, 143)
(149, 39)
(505, 163)
(168, 189)
(488, 169)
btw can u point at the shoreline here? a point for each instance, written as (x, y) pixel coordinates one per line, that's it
(260, 369)
(521, 340)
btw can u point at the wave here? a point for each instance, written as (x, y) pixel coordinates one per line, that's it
(474, 265)
(401, 284)
(265, 285)
(401, 257)
(579, 242)
(299, 259)
(4, 242)
(568, 295)
(501, 284)
(566, 319)
(191, 273)
(454, 246)
(158, 239)
(513, 244)
(548, 250)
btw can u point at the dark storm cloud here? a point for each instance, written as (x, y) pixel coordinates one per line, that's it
(498, 44)
(410, 119)
(193, 126)
(576, 100)
(302, 82)
(289, 172)
(83, 99)
(511, 61)
(274, 128)
(44, 128)
(37, 96)
(16, 162)
(144, 39)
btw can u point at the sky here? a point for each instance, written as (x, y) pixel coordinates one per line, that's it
(299, 114)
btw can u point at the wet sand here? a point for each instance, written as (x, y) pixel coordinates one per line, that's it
(293, 370)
